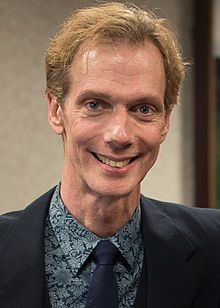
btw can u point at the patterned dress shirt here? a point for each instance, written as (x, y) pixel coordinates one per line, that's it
(69, 269)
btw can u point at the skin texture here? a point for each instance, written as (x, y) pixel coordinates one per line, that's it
(115, 108)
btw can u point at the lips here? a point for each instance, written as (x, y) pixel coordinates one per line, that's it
(113, 163)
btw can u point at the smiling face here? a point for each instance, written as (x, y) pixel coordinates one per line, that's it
(113, 120)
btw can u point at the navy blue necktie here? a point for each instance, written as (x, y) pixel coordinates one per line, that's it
(103, 290)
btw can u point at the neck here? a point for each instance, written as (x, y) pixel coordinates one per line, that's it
(102, 215)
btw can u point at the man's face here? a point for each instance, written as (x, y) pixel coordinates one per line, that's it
(113, 120)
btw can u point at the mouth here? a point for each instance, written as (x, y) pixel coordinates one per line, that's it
(113, 163)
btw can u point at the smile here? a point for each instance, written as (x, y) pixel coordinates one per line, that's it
(113, 163)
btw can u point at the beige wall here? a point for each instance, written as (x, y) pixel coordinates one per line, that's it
(31, 155)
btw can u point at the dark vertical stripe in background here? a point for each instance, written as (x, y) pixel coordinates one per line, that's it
(218, 132)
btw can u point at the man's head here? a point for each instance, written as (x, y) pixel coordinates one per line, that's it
(112, 23)
(113, 76)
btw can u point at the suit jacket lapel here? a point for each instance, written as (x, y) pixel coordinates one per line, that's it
(170, 259)
(141, 297)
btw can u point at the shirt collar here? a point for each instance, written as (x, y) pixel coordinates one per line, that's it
(77, 242)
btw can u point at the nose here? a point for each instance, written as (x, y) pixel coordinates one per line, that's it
(119, 131)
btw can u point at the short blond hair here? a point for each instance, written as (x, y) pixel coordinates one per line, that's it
(111, 22)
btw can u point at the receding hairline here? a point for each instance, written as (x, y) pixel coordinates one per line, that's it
(117, 42)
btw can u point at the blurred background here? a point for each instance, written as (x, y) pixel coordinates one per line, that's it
(31, 155)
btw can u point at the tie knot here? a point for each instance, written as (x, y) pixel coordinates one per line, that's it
(105, 253)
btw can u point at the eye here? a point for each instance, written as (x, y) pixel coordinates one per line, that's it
(93, 105)
(143, 109)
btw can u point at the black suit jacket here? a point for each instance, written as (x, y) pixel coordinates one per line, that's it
(182, 257)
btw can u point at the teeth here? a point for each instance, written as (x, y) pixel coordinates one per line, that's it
(113, 163)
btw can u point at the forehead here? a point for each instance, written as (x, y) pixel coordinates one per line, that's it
(122, 54)
(120, 65)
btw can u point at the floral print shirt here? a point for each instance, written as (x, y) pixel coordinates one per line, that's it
(68, 267)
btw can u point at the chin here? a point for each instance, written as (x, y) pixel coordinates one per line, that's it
(115, 192)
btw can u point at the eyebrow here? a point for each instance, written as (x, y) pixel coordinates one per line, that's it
(94, 94)
(102, 95)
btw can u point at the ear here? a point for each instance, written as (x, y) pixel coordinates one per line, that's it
(55, 114)
(166, 126)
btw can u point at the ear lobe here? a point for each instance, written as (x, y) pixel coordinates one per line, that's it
(165, 129)
(55, 114)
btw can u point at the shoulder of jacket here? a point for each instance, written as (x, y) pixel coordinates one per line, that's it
(202, 226)
(172, 208)
(8, 220)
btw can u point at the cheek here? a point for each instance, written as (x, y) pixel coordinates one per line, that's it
(82, 136)
(76, 129)
(152, 138)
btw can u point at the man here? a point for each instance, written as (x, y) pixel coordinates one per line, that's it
(113, 76)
